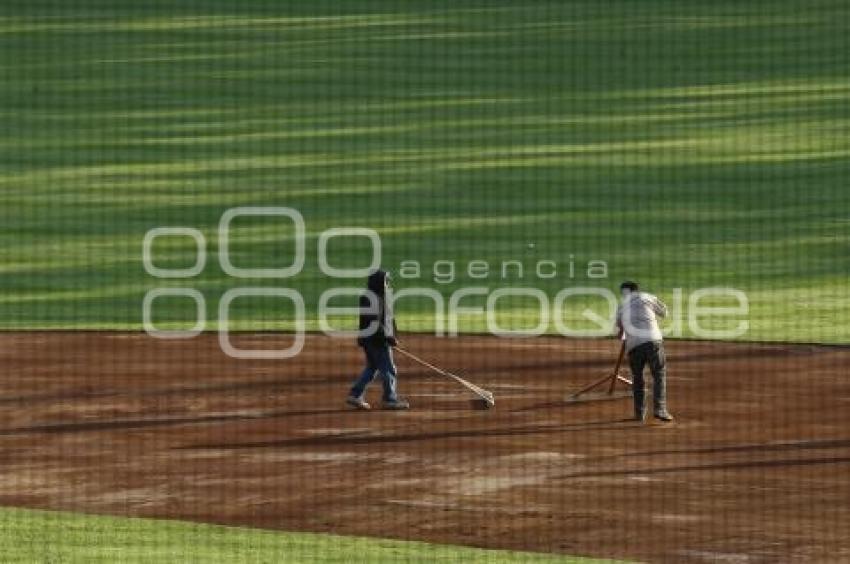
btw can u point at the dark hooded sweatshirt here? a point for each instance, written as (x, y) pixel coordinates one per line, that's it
(386, 331)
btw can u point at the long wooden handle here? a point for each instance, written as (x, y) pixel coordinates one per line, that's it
(480, 392)
(617, 368)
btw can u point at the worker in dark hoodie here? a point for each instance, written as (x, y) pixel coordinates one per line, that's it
(377, 336)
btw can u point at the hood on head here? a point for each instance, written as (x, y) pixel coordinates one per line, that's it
(377, 281)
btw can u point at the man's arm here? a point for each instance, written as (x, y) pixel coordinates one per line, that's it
(393, 339)
(659, 307)
(369, 322)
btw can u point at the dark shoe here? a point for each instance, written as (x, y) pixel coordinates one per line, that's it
(663, 416)
(640, 416)
(396, 404)
(358, 402)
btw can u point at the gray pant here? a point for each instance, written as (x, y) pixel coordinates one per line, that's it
(652, 354)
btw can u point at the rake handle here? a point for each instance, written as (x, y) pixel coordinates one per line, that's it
(481, 392)
(613, 377)
(616, 373)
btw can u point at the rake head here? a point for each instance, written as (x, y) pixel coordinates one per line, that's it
(483, 403)
(602, 390)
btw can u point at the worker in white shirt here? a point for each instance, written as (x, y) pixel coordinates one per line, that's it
(637, 323)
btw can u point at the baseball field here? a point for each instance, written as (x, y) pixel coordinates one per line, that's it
(687, 145)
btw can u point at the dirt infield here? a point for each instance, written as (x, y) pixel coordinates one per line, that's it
(756, 467)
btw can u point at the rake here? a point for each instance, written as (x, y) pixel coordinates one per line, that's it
(587, 393)
(485, 399)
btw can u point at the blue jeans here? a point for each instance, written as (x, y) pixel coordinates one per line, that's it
(379, 358)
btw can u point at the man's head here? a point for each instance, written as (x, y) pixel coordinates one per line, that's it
(628, 287)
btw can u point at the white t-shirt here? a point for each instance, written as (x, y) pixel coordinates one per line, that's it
(638, 317)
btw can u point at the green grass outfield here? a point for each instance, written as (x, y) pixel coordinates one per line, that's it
(685, 143)
(38, 536)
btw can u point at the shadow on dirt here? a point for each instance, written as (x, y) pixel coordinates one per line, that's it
(744, 465)
(119, 424)
(755, 447)
(176, 390)
(359, 439)
(587, 399)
